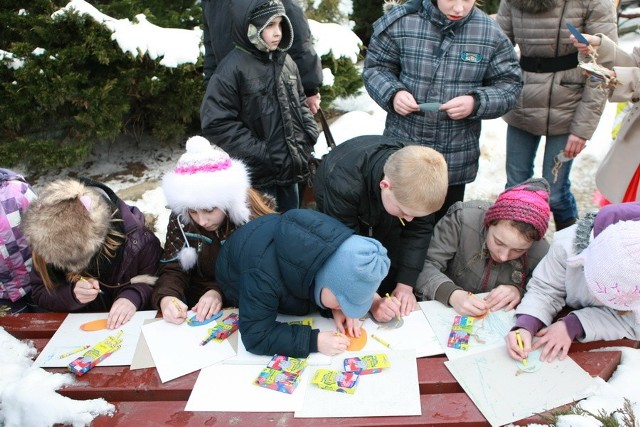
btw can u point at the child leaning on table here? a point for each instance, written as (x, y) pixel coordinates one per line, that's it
(210, 195)
(293, 264)
(597, 277)
(15, 255)
(483, 247)
(87, 246)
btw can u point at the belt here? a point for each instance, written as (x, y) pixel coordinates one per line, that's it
(534, 64)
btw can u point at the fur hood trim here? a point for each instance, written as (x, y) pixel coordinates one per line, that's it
(533, 6)
(68, 224)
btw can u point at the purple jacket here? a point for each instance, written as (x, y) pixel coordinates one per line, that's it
(141, 255)
(15, 255)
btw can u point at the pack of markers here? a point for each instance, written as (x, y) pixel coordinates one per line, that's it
(282, 373)
(96, 354)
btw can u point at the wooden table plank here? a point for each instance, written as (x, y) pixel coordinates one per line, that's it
(32, 325)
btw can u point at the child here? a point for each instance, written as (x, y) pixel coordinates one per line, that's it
(618, 176)
(15, 256)
(292, 264)
(255, 108)
(484, 247)
(597, 278)
(88, 247)
(557, 101)
(454, 60)
(385, 188)
(209, 194)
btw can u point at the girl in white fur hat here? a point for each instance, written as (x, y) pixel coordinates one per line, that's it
(210, 195)
(598, 277)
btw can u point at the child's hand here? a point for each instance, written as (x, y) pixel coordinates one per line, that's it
(121, 312)
(209, 304)
(556, 342)
(86, 290)
(467, 304)
(404, 103)
(512, 344)
(330, 343)
(459, 107)
(404, 294)
(385, 309)
(173, 310)
(503, 296)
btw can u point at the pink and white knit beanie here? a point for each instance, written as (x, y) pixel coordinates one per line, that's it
(612, 266)
(205, 177)
(527, 202)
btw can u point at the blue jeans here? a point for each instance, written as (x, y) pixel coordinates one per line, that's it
(521, 153)
(286, 196)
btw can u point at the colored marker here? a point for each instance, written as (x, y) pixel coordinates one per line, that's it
(381, 341)
(401, 221)
(175, 302)
(520, 346)
(77, 350)
(389, 298)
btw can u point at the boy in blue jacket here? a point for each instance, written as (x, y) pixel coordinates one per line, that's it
(293, 264)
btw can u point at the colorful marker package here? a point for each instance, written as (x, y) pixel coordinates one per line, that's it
(96, 354)
(365, 365)
(461, 330)
(282, 374)
(342, 382)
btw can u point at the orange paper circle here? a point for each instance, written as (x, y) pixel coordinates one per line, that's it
(358, 344)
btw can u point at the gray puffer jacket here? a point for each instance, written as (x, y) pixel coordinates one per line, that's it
(556, 103)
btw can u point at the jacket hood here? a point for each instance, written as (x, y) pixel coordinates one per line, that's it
(533, 6)
(240, 29)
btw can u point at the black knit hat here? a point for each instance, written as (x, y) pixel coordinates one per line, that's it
(261, 16)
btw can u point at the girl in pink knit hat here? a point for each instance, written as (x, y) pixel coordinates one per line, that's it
(592, 267)
(210, 195)
(481, 247)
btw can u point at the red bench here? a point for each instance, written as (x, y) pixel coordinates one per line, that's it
(141, 398)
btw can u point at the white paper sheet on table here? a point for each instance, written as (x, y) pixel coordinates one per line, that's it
(176, 349)
(69, 337)
(414, 334)
(245, 358)
(490, 379)
(392, 392)
(490, 331)
(231, 388)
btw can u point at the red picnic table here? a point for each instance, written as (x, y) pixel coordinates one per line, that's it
(141, 398)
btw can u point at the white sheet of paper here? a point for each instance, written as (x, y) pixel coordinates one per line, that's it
(392, 392)
(176, 349)
(69, 337)
(490, 379)
(414, 334)
(231, 388)
(490, 331)
(142, 358)
(245, 358)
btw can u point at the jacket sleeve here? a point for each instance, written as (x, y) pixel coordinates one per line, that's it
(414, 241)
(261, 333)
(382, 70)
(501, 85)
(172, 280)
(442, 249)
(221, 122)
(603, 323)
(146, 262)
(302, 50)
(546, 291)
(60, 299)
(601, 19)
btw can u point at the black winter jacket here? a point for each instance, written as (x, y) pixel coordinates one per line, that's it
(217, 43)
(268, 266)
(255, 109)
(347, 187)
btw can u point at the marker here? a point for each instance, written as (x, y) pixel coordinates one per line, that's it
(100, 291)
(77, 350)
(520, 346)
(401, 221)
(381, 341)
(175, 302)
(389, 298)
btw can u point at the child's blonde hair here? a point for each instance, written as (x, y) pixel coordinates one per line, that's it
(419, 177)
